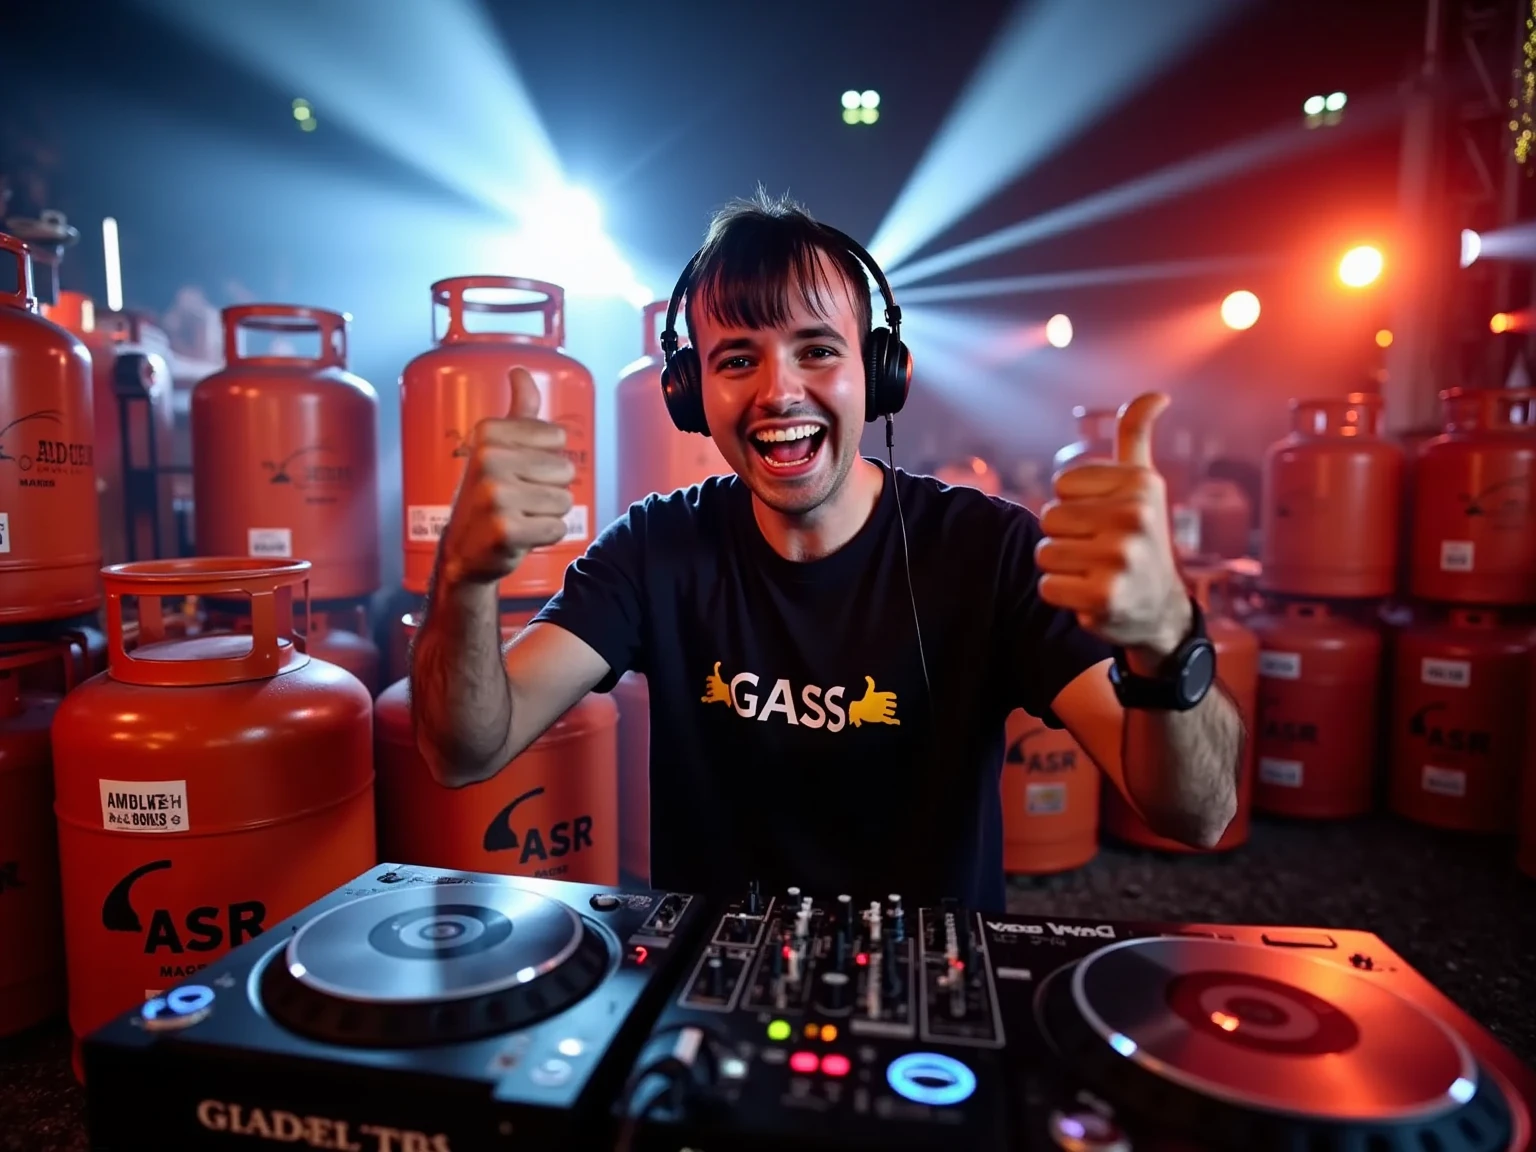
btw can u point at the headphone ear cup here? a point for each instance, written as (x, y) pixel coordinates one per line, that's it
(897, 380)
(683, 392)
(874, 369)
(888, 369)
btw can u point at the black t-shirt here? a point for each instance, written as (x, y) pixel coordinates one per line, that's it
(792, 738)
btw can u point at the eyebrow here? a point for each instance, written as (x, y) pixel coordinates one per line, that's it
(815, 332)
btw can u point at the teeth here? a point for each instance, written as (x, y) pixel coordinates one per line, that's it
(783, 435)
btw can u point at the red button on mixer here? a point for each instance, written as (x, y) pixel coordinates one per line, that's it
(803, 1062)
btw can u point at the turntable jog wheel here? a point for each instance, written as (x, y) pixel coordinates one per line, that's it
(1241, 1047)
(433, 965)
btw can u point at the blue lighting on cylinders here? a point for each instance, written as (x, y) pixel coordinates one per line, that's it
(1122, 1044)
(1462, 1090)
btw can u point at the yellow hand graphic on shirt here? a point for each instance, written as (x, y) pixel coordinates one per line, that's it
(716, 690)
(875, 707)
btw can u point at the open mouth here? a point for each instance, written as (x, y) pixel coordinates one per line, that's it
(789, 449)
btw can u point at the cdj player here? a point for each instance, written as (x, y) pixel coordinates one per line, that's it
(412, 1010)
(424, 1010)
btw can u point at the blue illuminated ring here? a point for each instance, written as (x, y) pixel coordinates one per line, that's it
(903, 1072)
(187, 1000)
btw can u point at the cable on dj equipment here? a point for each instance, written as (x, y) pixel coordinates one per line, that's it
(689, 1059)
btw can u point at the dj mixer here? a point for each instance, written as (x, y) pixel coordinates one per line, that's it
(424, 1010)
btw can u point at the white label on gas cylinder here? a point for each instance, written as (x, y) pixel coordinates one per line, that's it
(1186, 529)
(1446, 673)
(1444, 781)
(276, 543)
(1281, 773)
(144, 805)
(425, 522)
(5, 531)
(1280, 665)
(1045, 799)
(1455, 555)
(575, 524)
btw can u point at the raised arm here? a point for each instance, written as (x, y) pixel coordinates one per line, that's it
(473, 710)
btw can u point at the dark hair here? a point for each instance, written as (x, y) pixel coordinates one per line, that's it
(757, 252)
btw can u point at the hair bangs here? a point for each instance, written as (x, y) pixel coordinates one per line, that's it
(762, 260)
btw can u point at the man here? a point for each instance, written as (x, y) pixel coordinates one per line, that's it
(804, 728)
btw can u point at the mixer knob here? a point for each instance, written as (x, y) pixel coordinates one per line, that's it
(777, 958)
(834, 991)
(840, 951)
(754, 899)
(716, 978)
(897, 916)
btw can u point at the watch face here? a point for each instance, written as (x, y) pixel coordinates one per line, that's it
(1198, 672)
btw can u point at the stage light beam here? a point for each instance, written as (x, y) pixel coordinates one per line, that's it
(1050, 74)
(1240, 310)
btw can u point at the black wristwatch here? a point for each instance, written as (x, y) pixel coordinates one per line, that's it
(1180, 683)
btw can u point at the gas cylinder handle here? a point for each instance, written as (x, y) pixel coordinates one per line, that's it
(22, 298)
(1473, 618)
(1357, 414)
(650, 334)
(18, 654)
(450, 294)
(1512, 409)
(268, 584)
(331, 327)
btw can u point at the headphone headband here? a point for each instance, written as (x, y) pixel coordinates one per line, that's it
(669, 335)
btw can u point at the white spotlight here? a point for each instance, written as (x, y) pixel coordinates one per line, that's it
(850, 99)
(1335, 102)
(869, 98)
(1471, 246)
(1314, 106)
(1058, 331)
(114, 265)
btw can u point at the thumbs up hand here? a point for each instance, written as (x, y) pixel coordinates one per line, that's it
(1107, 553)
(514, 493)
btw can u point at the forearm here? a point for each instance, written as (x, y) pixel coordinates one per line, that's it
(461, 699)
(1181, 768)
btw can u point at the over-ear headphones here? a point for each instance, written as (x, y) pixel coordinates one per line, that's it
(887, 363)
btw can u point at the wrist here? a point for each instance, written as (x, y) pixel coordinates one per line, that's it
(1146, 659)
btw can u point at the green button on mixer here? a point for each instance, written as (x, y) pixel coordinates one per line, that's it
(778, 1030)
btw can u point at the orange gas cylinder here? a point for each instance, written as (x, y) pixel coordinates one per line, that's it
(206, 787)
(347, 646)
(1095, 436)
(1050, 799)
(1319, 690)
(1331, 508)
(284, 451)
(1460, 688)
(633, 696)
(462, 380)
(50, 554)
(31, 935)
(1225, 517)
(1237, 671)
(653, 455)
(973, 472)
(552, 812)
(1474, 504)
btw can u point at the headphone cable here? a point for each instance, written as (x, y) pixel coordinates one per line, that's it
(906, 557)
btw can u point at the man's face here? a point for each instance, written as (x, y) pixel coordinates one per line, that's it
(785, 405)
